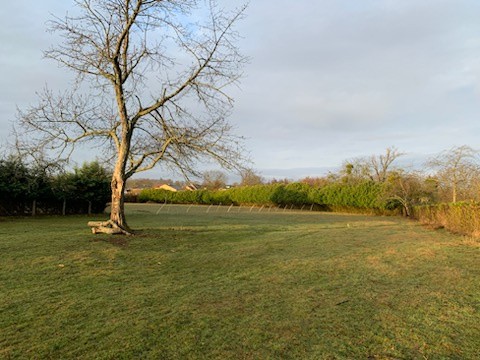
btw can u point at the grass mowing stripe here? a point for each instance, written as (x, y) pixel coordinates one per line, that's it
(237, 285)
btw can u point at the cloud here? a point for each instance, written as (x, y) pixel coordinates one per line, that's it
(328, 80)
(358, 76)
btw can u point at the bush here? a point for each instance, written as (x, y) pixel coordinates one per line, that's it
(26, 190)
(295, 194)
(364, 195)
(254, 195)
(462, 218)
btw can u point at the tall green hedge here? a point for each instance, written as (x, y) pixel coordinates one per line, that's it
(367, 195)
(26, 190)
(254, 195)
(363, 195)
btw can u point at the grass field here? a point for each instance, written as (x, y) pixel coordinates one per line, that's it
(204, 283)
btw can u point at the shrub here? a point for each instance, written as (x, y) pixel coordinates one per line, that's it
(292, 194)
(28, 190)
(364, 195)
(462, 217)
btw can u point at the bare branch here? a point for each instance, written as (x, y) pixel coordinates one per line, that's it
(151, 88)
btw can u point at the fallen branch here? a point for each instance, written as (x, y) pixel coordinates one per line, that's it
(107, 227)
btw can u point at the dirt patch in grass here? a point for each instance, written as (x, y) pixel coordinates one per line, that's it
(119, 241)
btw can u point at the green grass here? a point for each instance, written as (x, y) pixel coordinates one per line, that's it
(237, 285)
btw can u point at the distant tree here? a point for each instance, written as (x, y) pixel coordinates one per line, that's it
(92, 185)
(316, 181)
(353, 171)
(409, 189)
(151, 88)
(457, 170)
(382, 164)
(40, 185)
(15, 189)
(250, 178)
(144, 183)
(63, 187)
(284, 181)
(375, 167)
(214, 180)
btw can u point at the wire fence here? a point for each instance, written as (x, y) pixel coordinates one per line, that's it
(217, 209)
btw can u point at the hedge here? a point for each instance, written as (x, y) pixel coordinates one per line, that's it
(462, 217)
(29, 190)
(365, 196)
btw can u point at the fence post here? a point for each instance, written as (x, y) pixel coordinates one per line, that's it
(34, 207)
(160, 209)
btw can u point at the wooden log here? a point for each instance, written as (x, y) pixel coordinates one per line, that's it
(106, 230)
(99, 223)
(106, 227)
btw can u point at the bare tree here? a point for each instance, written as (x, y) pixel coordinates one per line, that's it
(249, 177)
(457, 169)
(151, 87)
(354, 170)
(381, 164)
(375, 167)
(214, 179)
(408, 189)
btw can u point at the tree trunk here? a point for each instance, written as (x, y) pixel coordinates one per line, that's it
(117, 220)
(64, 207)
(407, 210)
(117, 212)
(117, 223)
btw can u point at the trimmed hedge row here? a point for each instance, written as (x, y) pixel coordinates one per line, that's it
(461, 218)
(366, 196)
(27, 190)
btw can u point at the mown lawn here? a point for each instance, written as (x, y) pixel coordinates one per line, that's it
(237, 285)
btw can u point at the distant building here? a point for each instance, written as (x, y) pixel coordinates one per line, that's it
(192, 187)
(166, 187)
(134, 191)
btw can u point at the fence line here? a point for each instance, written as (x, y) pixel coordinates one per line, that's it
(225, 209)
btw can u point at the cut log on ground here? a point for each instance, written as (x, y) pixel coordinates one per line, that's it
(107, 227)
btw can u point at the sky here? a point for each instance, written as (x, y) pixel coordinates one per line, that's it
(327, 81)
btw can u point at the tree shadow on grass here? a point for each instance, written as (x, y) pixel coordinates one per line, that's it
(119, 241)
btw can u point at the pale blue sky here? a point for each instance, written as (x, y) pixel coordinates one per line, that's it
(328, 79)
